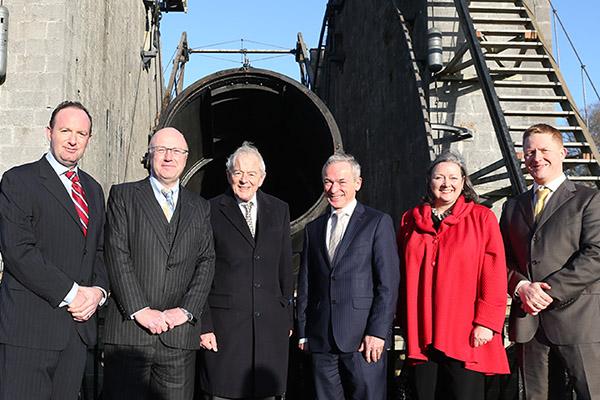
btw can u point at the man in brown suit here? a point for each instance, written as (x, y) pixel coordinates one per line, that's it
(552, 239)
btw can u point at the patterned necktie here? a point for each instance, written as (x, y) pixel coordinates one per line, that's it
(248, 215)
(170, 208)
(542, 194)
(78, 197)
(335, 236)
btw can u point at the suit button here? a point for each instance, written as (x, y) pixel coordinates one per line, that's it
(256, 285)
(257, 257)
(333, 301)
(535, 262)
(534, 238)
(257, 314)
(333, 278)
(433, 264)
(84, 252)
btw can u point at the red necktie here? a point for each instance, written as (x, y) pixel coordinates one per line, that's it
(79, 199)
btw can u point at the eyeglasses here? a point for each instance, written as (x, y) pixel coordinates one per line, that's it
(162, 150)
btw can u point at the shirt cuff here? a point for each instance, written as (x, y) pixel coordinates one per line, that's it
(104, 296)
(70, 296)
(521, 283)
(303, 340)
(132, 316)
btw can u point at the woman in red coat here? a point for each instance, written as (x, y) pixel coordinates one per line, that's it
(453, 295)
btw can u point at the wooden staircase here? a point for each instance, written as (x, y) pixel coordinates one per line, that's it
(524, 84)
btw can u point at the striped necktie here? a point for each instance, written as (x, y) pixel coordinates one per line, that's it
(170, 209)
(78, 197)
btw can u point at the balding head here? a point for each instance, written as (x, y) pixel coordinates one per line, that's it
(168, 155)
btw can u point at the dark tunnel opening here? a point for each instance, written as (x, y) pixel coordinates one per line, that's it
(292, 128)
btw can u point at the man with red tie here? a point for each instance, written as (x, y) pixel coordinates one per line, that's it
(51, 238)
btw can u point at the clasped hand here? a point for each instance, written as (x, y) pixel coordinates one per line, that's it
(158, 322)
(534, 297)
(85, 303)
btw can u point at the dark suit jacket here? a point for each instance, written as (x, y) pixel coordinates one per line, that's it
(356, 293)
(44, 253)
(147, 268)
(249, 306)
(563, 249)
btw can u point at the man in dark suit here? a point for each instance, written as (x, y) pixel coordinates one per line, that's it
(347, 289)
(160, 260)
(248, 317)
(51, 229)
(552, 239)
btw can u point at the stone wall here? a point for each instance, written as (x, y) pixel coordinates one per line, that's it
(81, 50)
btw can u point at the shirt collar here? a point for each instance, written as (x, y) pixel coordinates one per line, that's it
(58, 167)
(253, 200)
(552, 185)
(348, 210)
(158, 187)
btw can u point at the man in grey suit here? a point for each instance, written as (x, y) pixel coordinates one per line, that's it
(160, 260)
(347, 289)
(51, 230)
(552, 239)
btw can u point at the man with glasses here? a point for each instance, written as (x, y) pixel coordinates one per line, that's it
(248, 317)
(160, 260)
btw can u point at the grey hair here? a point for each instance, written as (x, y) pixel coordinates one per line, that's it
(468, 190)
(245, 148)
(342, 157)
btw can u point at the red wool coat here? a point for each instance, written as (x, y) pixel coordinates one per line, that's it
(452, 279)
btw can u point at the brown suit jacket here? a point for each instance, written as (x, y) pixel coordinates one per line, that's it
(563, 249)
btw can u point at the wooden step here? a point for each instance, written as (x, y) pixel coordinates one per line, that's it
(512, 45)
(495, 9)
(516, 57)
(526, 84)
(565, 144)
(538, 113)
(506, 32)
(500, 21)
(522, 128)
(521, 70)
(543, 99)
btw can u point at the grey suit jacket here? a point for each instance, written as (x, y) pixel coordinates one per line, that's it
(563, 249)
(147, 269)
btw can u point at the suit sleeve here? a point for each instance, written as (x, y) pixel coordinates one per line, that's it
(583, 268)
(100, 275)
(20, 247)
(490, 307)
(514, 276)
(286, 281)
(199, 287)
(123, 281)
(302, 300)
(386, 279)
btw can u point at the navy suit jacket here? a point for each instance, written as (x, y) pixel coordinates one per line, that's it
(355, 294)
(44, 252)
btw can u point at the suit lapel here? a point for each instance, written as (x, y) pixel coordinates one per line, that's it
(230, 209)
(525, 205)
(52, 183)
(93, 202)
(186, 208)
(560, 197)
(151, 208)
(351, 231)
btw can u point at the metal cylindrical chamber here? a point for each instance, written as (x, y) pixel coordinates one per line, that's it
(289, 124)
(3, 42)
(434, 50)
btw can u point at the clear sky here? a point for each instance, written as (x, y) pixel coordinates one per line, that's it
(271, 24)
